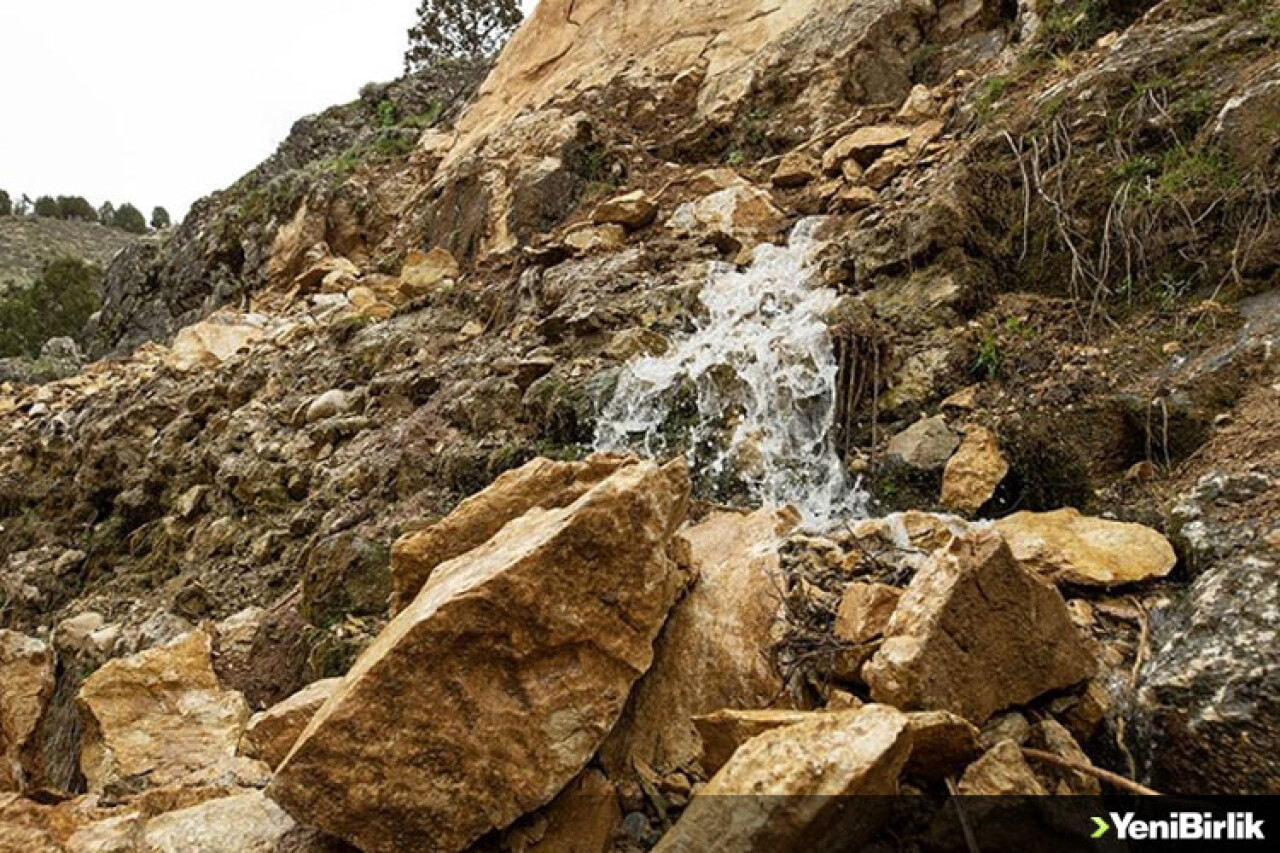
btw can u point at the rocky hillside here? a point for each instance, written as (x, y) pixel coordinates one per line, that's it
(850, 398)
(27, 244)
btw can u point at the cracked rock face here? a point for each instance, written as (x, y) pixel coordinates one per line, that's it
(975, 633)
(493, 689)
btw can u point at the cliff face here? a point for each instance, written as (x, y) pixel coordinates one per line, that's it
(978, 259)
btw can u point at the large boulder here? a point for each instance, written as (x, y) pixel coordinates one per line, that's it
(975, 633)
(211, 342)
(542, 483)
(786, 789)
(714, 652)
(974, 472)
(272, 733)
(152, 718)
(1066, 546)
(26, 685)
(495, 687)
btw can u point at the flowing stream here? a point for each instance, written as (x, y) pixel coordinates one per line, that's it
(751, 392)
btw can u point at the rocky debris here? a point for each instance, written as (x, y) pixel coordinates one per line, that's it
(1052, 737)
(926, 445)
(920, 105)
(584, 818)
(975, 633)
(597, 238)
(715, 651)
(424, 272)
(865, 145)
(330, 404)
(723, 732)
(865, 611)
(941, 744)
(246, 823)
(155, 716)
(633, 211)
(1069, 547)
(271, 734)
(1001, 772)
(26, 686)
(552, 620)
(782, 789)
(328, 274)
(542, 484)
(1201, 719)
(733, 219)
(87, 634)
(974, 472)
(856, 198)
(797, 168)
(211, 342)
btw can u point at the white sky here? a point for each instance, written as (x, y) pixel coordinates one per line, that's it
(160, 102)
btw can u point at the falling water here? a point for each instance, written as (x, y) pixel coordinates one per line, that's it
(760, 370)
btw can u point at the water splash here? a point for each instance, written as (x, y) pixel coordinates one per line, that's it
(751, 392)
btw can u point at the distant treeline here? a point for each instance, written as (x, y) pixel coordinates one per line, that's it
(76, 208)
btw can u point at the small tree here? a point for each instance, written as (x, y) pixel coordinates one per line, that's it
(47, 207)
(129, 218)
(461, 35)
(6, 204)
(107, 213)
(76, 207)
(160, 218)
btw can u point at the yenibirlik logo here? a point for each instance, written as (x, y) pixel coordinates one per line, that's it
(1182, 826)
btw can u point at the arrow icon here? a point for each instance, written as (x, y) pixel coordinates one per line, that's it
(1103, 828)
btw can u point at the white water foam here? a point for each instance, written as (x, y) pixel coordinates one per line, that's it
(762, 368)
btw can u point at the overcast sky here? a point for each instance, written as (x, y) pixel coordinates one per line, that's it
(160, 102)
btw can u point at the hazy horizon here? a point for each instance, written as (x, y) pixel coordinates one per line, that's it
(156, 103)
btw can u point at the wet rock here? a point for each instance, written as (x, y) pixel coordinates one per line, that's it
(541, 483)
(26, 686)
(153, 717)
(492, 690)
(724, 731)
(1069, 547)
(941, 744)
(270, 734)
(974, 472)
(633, 211)
(732, 219)
(975, 633)
(630, 343)
(926, 445)
(1002, 772)
(715, 651)
(782, 790)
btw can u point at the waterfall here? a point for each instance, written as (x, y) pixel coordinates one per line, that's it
(750, 393)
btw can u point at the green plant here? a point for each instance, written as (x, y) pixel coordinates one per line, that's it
(58, 304)
(386, 113)
(987, 357)
(735, 157)
(989, 92)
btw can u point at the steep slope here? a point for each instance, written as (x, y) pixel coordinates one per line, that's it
(26, 245)
(1048, 235)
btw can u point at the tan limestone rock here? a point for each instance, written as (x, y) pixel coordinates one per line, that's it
(541, 483)
(271, 733)
(975, 633)
(734, 218)
(633, 211)
(1002, 772)
(724, 731)
(584, 818)
(974, 472)
(26, 686)
(493, 689)
(1066, 546)
(865, 145)
(596, 238)
(926, 445)
(853, 199)
(715, 650)
(211, 342)
(423, 272)
(941, 744)
(247, 823)
(865, 611)
(783, 790)
(796, 169)
(155, 716)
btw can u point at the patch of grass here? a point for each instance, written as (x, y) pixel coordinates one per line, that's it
(387, 113)
(989, 93)
(987, 357)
